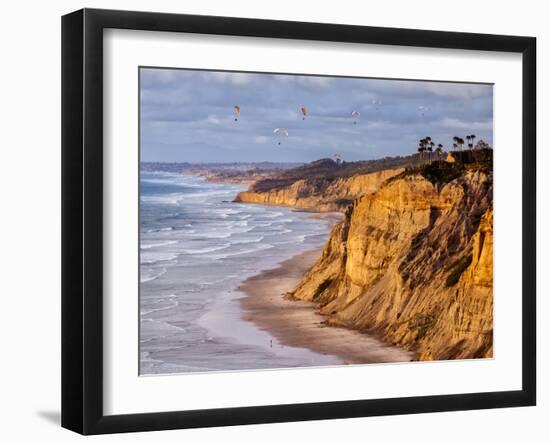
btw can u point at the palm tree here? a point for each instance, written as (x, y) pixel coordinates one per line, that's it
(460, 143)
(430, 150)
(438, 151)
(472, 138)
(428, 142)
(469, 143)
(422, 143)
(455, 142)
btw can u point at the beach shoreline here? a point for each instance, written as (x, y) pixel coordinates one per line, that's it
(298, 324)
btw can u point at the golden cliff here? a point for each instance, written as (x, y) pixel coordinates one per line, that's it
(411, 262)
(318, 193)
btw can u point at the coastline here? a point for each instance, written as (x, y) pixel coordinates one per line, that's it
(298, 324)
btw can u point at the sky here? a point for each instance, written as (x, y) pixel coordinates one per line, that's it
(188, 116)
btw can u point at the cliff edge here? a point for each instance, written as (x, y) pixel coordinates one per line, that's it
(411, 262)
(323, 186)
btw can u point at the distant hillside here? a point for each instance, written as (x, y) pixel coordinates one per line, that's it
(324, 185)
(328, 169)
(184, 167)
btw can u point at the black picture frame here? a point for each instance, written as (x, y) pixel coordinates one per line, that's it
(82, 215)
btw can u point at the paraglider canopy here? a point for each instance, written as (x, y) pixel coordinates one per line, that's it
(355, 115)
(303, 110)
(237, 111)
(423, 109)
(280, 132)
(377, 103)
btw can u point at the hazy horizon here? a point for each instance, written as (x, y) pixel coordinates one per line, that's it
(187, 116)
(248, 162)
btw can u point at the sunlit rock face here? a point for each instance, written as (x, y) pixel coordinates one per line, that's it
(412, 262)
(317, 193)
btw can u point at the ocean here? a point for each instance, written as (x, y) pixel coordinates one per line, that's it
(196, 248)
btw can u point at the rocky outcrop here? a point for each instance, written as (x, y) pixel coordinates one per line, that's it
(413, 263)
(319, 193)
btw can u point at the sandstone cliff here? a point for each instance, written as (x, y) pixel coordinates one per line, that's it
(319, 193)
(411, 262)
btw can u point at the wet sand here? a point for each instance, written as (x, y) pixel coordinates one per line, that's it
(298, 324)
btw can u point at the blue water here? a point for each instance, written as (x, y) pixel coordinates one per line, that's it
(196, 247)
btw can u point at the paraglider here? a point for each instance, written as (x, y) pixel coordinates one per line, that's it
(237, 111)
(304, 112)
(423, 110)
(376, 103)
(336, 158)
(280, 132)
(355, 115)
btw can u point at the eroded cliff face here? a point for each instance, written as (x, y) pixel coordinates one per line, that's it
(320, 194)
(413, 263)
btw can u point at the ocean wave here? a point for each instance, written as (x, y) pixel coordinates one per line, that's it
(144, 356)
(168, 299)
(231, 211)
(251, 240)
(278, 232)
(159, 181)
(151, 366)
(262, 247)
(166, 229)
(272, 214)
(207, 249)
(153, 325)
(157, 245)
(263, 225)
(223, 213)
(215, 233)
(302, 238)
(151, 274)
(150, 258)
(208, 193)
(172, 182)
(169, 199)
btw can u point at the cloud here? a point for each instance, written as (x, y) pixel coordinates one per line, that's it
(321, 82)
(427, 89)
(187, 115)
(232, 78)
(459, 89)
(310, 82)
(261, 140)
(467, 125)
(159, 76)
(214, 120)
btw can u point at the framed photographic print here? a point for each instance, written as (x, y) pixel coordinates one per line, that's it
(269, 221)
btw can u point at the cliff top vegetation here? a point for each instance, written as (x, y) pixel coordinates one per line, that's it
(329, 169)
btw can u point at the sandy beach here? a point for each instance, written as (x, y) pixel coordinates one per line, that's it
(298, 324)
